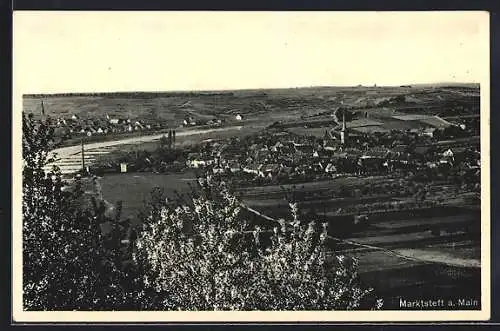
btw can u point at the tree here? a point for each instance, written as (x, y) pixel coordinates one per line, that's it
(205, 255)
(67, 262)
(164, 141)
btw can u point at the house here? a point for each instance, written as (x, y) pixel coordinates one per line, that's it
(330, 168)
(114, 121)
(448, 153)
(238, 117)
(74, 117)
(100, 131)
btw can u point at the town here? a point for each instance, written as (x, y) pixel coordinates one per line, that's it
(70, 129)
(212, 165)
(400, 169)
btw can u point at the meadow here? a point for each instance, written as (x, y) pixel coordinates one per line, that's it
(134, 189)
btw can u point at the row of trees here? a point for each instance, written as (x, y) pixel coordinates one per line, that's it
(195, 254)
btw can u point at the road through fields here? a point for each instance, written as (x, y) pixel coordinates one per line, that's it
(68, 159)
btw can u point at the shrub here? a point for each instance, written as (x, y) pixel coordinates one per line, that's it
(67, 262)
(196, 258)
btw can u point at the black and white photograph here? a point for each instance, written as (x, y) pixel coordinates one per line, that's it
(250, 166)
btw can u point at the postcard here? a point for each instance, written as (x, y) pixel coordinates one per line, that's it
(238, 167)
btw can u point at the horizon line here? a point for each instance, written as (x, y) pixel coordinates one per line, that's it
(250, 89)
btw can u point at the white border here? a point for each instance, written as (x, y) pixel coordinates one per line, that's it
(20, 316)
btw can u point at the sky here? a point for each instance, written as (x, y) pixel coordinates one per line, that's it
(60, 52)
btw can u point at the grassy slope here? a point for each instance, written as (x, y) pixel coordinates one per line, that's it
(265, 105)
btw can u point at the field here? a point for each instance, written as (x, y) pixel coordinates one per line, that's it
(417, 270)
(266, 105)
(134, 189)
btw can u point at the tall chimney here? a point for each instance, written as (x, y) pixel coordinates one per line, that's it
(343, 132)
(43, 108)
(343, 120)
(83, 158)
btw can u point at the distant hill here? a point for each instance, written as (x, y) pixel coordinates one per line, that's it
(261, 105)
(299, 90)
(130, 94)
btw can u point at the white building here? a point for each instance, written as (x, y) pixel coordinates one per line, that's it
(448, 153)
(330, 168)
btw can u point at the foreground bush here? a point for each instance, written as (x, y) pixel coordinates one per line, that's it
(67, 262)
(198, 256)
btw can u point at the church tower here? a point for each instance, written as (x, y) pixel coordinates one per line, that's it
(343, 132)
